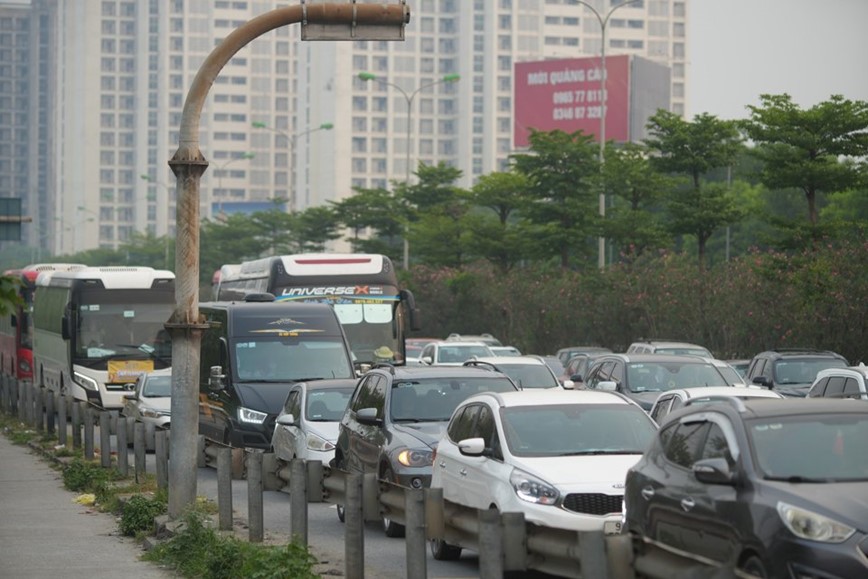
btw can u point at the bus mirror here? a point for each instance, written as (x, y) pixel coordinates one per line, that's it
(408, 298)
(216, 377)
(64, 328)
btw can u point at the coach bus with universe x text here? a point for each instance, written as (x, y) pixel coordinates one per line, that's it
(362, 288)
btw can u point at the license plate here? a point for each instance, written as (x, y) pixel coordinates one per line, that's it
(612, 527)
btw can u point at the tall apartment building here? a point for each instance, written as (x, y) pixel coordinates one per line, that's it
(285, 119)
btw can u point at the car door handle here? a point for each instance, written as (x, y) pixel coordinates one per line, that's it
(687, 503)
(442, 464)
(647, 493)
(463, 472)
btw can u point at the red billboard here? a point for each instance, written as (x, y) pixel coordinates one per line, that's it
(566, 95)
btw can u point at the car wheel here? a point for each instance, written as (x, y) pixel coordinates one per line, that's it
(754, 566)
(443, 551)
(342, 513)
(390, 527)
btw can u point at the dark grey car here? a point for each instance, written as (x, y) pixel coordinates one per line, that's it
(397, 415)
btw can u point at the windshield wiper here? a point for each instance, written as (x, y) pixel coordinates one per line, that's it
(799, 479)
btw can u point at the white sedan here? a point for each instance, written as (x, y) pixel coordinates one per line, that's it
(149, 402)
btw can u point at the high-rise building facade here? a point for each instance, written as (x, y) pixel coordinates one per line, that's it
(285, 120)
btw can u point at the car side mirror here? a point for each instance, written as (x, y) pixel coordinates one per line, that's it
(762, 381)
(368, 416)
(129, 395)
(216, 378)
(608, 386)
(569, 384)
(129, 386)
(428, 360)
(713, 471)
(286, 420)
(471, 447)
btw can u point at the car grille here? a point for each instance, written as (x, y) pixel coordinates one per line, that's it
(593, 503)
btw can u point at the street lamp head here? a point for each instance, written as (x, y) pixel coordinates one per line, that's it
(259, 125)
(367, 76)
(452, 78)
(145, 177)
(327, 126)
(247, 155)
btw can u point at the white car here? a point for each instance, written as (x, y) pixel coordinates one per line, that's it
(453, 353)
(851, 382)
(149, 402)
(674, 399)
(307, 426)
(559, 456)
(528, 372)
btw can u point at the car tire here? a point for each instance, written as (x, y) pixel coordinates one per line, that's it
(342, 513)
(443, 551)
(754, 566)
(390, 527)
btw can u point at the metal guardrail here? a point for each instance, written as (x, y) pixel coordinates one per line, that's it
(504, 541)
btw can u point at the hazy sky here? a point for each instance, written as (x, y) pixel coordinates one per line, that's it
(809, 49)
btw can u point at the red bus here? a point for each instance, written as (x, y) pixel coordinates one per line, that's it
(16, 338)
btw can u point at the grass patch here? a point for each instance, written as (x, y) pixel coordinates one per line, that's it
(197, 550)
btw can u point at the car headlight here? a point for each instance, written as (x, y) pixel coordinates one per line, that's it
(151, 413)
(319, 443)
(812, 526)
(251, 416)
(532, 489)
(85, 381)
(416, 457)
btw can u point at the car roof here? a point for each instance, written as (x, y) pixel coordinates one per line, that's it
(409, 372)
(452, 343)
(664, 358)
(668, 343)
(734, 391)
(509, 360)
(800, 353)
(781, 407)
(555, 396)
(160, 372)
(848, 371)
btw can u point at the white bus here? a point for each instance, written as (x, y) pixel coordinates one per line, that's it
(96, 329)
(362, 288)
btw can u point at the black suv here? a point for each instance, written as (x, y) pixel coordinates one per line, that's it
(395, 419)
(776, 488)
(791, 371)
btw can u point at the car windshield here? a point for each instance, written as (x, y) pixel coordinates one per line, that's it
(327, 405)
(434, 399)
(576, 429)
(660, 376)
(816, 448)
(281, 359)
(803, 370)
(157, 386)
(530, 375)
(460, 354)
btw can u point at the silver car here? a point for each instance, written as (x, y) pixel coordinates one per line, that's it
(149, 402)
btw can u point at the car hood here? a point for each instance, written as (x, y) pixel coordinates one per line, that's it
(326, 430)
(579, 470)
(845, 502)
(264, 397)
(798, 391)
(161, 403)
(428, 433)
(645, 399)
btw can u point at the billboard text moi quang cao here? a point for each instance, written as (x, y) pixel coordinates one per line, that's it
(565, 94)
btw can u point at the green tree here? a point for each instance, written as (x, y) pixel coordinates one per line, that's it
(692, 149)
(496, 234)
(813, 150)
(380, 213)
(562, 171)
(314, 227)
(634, 222)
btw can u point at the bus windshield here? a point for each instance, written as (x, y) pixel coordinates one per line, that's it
(106, 330)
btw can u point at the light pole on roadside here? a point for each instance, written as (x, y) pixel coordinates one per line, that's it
(604, 22)
(148, 178)
(219, 170)
(449, 78)
(291, 140)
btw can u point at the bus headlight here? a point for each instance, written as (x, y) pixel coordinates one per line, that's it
(85, 382)
(251, 416)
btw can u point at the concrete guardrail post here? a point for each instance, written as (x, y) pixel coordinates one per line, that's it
(224, 488)
(62, 420)
(105, 439)
(514, 541)
(123, 449)
(161, 456)
(354, 541)
(76, 424)
(414, 513)
(490, 545)
(139, 450)
(298, 500)
(88, 434)
(49, 413)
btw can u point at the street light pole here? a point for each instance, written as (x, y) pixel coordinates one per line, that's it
(220, 169)
(408, 97)
(604, 21)
(148, 178)
(290, 139)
